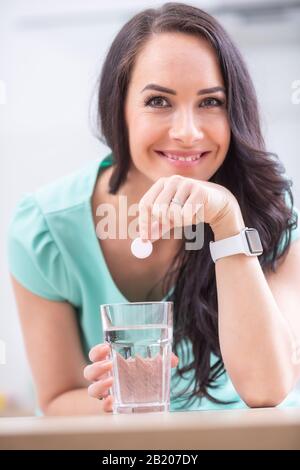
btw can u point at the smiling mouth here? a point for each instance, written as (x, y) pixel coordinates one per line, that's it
(182, 159)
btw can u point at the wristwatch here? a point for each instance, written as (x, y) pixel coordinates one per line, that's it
(246, 242)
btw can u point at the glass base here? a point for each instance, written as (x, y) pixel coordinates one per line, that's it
(141, 408)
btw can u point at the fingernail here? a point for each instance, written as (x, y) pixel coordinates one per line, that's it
(92, 355)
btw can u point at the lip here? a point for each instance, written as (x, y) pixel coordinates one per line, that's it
(182, 153)
(184, 164)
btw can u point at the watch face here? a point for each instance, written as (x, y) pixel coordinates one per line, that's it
(254, 242)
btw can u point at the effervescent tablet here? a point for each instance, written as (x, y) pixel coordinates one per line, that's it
(141, 248)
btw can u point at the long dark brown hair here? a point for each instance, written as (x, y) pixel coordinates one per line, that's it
(253, 175)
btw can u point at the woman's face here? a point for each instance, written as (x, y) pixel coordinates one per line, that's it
(187, 120)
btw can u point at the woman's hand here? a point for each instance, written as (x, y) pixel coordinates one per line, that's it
(200, 201)
(100, 373)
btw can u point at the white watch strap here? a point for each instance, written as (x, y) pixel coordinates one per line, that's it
(229, 246)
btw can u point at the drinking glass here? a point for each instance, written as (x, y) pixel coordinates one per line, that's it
(140, 336)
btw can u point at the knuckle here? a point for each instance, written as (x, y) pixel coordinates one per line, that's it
(187, 185)
(162, 179)
(141, 204)
(175, 178)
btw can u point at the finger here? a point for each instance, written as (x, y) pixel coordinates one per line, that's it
(99, 352)
(159, 229)
(108, 403)
(176, 185)
(181, 195)
(169, 213)
(161, 204)
(145, 207)
(95, 371)
(155, 231)
(193, 209)
(101, 388)
(174, 360)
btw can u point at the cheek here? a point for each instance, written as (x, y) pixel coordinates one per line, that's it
(144, 131)
(222, 133)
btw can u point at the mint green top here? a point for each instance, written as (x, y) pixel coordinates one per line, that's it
(54, 252)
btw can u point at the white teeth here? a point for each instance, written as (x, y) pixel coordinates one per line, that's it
(183, 159)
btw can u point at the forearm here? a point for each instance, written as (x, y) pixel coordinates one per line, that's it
(254, 335)
(74, 402)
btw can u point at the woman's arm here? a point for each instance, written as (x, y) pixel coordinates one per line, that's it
(54, 351)
(74, 402)
(255, 334)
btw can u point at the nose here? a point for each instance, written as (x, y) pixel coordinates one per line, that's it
(186, 128)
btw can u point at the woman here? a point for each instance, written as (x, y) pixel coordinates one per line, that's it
(173, 85)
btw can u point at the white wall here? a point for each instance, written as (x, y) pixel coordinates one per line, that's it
(50, 57)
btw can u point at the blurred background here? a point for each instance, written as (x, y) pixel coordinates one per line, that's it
(51, 54)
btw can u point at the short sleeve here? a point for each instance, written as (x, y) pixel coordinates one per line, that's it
(33, 256)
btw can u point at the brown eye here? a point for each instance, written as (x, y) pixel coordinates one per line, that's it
(212, 102)
(156, 100)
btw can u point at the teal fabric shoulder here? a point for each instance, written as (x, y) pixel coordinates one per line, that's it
(33, 256)
(40, 230)
(71, 190)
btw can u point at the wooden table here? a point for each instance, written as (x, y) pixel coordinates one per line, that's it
(264, 428)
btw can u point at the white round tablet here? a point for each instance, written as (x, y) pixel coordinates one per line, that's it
(140, 248)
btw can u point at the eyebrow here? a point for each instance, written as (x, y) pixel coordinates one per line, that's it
(204, 91)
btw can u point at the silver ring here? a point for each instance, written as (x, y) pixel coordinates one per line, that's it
(176, 202)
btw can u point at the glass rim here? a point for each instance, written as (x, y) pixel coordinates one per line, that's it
(137, 303)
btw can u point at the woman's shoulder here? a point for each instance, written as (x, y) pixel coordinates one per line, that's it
(68, 191)
(39, 232)
(34, 258)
